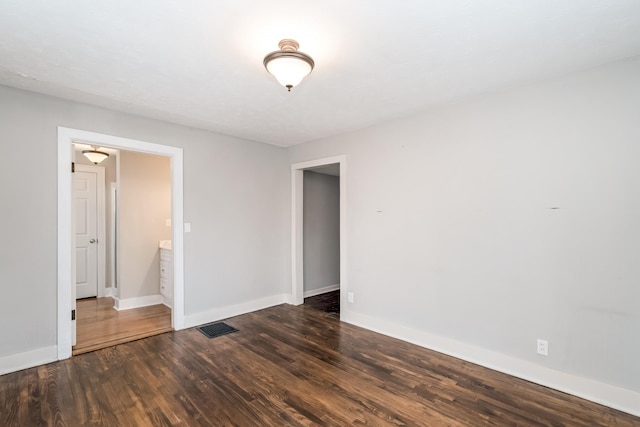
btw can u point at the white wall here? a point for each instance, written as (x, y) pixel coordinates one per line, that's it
(145, 205)
(234, 190)
(321, 222)
(503, 219)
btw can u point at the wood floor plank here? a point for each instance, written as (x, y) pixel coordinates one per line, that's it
(99, 325)
(286, 366)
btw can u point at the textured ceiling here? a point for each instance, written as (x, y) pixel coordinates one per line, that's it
(199, 63)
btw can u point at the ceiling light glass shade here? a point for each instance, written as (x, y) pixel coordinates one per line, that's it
(288, 71)
(288, 65)
(94, 155)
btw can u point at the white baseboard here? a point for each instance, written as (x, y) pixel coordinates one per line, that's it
(323, 290)
(28, 359)
(106, 291)
(288, 299)
(128, 303)
(191, 320)
(167, 301)
(595, 391)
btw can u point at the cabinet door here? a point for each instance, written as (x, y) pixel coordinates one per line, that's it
(164, 278)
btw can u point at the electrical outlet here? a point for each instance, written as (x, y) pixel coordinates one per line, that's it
(168, 222)
(543, 347)
(350, 296)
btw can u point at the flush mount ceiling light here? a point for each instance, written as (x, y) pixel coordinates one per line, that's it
(94, 155)
(288, 65)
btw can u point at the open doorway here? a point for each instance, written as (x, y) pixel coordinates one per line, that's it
(318, 229)
(66, 239)
(321, 238)
(123, 293)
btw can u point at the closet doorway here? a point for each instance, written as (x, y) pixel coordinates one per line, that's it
(321, 238)
(335, 166)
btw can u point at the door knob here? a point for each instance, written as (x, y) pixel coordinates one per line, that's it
(92, 241)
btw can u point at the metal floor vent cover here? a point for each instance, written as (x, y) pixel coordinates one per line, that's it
(213, 330)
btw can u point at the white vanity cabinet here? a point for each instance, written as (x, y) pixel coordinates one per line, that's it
(166, 272)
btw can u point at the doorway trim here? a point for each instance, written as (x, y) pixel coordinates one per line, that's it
(297, 237)
(66, 273)
(113, 196)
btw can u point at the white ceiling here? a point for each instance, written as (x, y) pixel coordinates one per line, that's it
(199, 62)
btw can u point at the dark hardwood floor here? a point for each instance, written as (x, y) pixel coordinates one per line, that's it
(328, 302)
(99, 325)
(287, 366)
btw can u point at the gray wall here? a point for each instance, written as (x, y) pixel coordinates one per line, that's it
(321, 221)
(145, 205)
(234, 190)
(506, 218)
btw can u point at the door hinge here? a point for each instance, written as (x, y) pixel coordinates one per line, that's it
(73, 315)
(73, 167)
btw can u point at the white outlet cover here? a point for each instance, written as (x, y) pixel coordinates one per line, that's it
(187, 227)
(350, 296)
(543, 347)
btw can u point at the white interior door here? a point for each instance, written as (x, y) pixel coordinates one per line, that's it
(86, 233)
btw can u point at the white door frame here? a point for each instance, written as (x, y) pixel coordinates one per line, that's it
(113, 195)
(101, 234)
(66, 250)
(297, 238)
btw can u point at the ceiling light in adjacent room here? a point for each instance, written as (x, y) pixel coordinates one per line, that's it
(94, 155)
(288, 65)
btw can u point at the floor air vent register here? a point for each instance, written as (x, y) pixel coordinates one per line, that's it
(213, 330)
